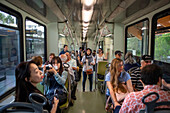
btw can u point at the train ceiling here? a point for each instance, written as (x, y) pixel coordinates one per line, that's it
(68, 13)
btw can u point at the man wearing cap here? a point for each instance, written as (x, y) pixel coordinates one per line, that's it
(118, 54)
(136, 73)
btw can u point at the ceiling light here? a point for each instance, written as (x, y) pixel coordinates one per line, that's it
(61, 34)
(143, 28)
(86, 15)
(85, 24)
(158, 25)
(108, 35)
(88, 2)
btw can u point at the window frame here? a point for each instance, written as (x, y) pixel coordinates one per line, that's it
(45, 37)
(21, 43)
(126, 29)
(154, 28)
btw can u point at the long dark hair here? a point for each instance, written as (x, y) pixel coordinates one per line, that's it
(23, 86)
(86, 52)
(56, 58)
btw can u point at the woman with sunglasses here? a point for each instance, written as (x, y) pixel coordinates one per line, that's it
(28, 76)
(118, 82)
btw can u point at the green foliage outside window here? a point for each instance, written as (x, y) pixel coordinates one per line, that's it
(162, 47)
(134, 44)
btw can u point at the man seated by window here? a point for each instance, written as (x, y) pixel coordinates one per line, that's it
(151, 76)
(136, 73)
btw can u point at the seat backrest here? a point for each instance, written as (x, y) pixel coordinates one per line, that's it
(101, 67)
(34, 107)
(150, 106)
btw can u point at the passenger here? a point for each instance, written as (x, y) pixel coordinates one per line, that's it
(118, 54)
(73, 54)
(136, 73)
(87, 62)
(165, 84)
(57, 79)
(118, 82)
(100, 56)
(151, 76)
(51, 56)
(65, 49)
(27, 77)
(80, 55)
(39, 62)
(129, 61)
(63, 58)
(72, 69)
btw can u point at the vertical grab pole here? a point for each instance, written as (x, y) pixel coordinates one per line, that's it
(96, 57)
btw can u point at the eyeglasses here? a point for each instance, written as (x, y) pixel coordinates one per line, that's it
(120, 54)
(148, 61)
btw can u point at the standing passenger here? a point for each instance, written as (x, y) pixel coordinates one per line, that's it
(87, 62)
(65, 49)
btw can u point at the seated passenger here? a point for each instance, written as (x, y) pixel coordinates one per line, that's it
(118, 82)
(38, 61)
(136, 73)
(27, 77)
(165, 84)
(129, 61)
(63, 58)
(51, 56)
(118, 54)
(72, 68)
(151, 76)
(56, 78)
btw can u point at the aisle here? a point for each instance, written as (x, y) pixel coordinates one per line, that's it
(87, 102)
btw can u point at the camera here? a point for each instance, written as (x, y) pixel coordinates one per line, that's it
(48, 67)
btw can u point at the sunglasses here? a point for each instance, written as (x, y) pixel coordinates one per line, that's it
(148, 61)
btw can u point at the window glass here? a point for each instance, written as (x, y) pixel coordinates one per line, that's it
(9, 51)
(35, 34)
(8, 19)
(137, 38)
(162, 40)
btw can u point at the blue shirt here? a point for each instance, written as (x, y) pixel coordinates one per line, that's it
(124, 77)
(63, 52)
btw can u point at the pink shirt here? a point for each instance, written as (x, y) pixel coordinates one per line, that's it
(133, 102)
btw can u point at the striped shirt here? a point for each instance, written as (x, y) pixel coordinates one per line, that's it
(136, 77)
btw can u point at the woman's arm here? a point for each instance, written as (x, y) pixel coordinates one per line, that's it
(112, 94)
(61, 79)
(129, 85)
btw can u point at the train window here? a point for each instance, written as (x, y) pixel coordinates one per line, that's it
(35, 39)
(38, 5)
(136, 39)
(8, 19)
(11, 52)
(161, 34)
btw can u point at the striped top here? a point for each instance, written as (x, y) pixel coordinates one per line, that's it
(136, 77)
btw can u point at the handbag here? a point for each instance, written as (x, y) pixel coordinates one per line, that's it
(89, 71)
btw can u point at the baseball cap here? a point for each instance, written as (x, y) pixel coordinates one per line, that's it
(118, 52)
(146, 57)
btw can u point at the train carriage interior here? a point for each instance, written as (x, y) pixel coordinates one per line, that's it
(30, 28)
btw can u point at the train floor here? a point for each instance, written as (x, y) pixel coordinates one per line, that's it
(88, 102)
